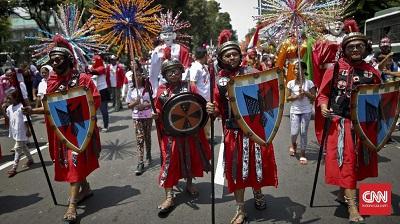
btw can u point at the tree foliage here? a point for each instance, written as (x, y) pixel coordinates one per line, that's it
(38, 10)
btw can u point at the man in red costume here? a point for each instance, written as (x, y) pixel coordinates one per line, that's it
(346, 160)
(260, 168)
(185, 156)
(70, 166)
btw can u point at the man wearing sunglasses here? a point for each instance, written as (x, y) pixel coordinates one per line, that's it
(69, 166)
(235, 142)
(346, 161)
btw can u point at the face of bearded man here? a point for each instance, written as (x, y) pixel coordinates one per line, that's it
(59, 63)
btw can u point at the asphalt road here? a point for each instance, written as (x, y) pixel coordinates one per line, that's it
(122, 197)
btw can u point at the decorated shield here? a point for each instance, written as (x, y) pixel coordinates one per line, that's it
(374, 112)
(257, 102)
(72, 116)
(184, 114)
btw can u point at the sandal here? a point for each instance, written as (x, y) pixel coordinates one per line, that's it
(240, 216)
(259, 200)
(70, 215)
(292, 149)
(303, 160)
(354, 216)
(168, 204)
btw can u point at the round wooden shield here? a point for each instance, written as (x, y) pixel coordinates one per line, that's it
(184, 114)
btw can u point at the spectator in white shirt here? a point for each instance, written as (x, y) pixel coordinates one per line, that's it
(18, 130)
(200, 77)
(44, 72)
(301, 92)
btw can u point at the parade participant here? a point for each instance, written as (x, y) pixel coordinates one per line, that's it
(252, 59)
(384, 61)
(99, 77)
(229, 58)
(386, 66)
(301, 93)
(267, 61)
(288, 54)
(200, 77)
(18, 129)
(185, 156)
(171, 47)
(345, 162)
(138, 100)
(326, 51)
(115, 79)
(70, 166)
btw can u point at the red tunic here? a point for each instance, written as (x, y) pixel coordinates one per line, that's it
(353, 168)
(233, 142)
(65, 169)
(184, 156)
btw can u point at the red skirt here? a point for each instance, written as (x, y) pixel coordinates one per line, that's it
(183, 157)
(269, 175)
(354, 168)
(72, 167)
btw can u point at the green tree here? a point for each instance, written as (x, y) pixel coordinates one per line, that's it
(4, 32)
(38, 10)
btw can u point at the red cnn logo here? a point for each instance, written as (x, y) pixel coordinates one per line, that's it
(375, 199)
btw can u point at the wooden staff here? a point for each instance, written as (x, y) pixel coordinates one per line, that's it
(327, 124)
(28, 118)
(212, 85)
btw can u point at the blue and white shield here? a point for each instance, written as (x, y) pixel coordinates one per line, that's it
(257, 101)
(374, 112)
(72, 116)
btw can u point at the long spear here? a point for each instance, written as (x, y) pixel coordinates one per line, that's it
(324, 136)
(212, 85)
(41, 159)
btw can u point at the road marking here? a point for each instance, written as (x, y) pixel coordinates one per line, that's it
(7, 164)
(219, 173)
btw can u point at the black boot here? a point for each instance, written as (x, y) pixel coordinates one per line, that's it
(139, 169)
